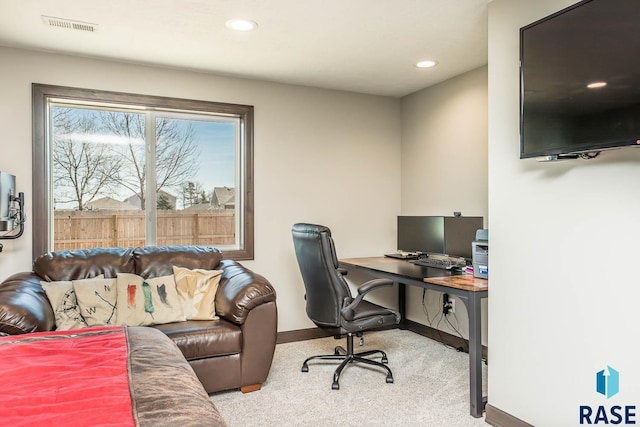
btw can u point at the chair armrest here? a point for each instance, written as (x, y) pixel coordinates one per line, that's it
(367, 287)
(348, 312)
(24, 306)
(240, 291)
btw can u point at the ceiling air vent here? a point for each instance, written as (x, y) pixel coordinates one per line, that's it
(69, 24)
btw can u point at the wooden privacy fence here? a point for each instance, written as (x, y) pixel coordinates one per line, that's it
(126, 228)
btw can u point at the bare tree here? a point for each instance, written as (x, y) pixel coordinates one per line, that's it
(82, 168)
(176, 153)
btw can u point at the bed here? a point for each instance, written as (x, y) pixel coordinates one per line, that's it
(100, 376)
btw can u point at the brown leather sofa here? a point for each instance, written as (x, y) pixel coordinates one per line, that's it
(234, 351)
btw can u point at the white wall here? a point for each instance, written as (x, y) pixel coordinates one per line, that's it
(320, 156)
(564, 245)
(444, 168)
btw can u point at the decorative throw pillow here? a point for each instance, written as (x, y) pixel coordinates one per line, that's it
(97, 300)
(197, 289)
(147, 301)
(65, 305)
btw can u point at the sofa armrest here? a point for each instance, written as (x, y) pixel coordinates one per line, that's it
(24, 306)
(240, 291)
(259, 335)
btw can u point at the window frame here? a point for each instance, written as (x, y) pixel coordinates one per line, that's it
(41, 165)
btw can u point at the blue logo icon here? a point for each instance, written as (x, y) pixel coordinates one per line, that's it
(608, 382)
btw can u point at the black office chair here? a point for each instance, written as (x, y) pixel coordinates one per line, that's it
(330, 304)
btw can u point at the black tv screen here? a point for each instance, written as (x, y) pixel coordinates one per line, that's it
(580, 79)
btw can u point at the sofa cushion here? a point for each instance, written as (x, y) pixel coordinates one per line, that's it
(156, 261)
(143, 302)
(65, 305)
(199, 339)
(197, 290)
(83, 264)
(97, 300)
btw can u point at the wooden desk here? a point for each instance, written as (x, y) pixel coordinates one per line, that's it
(468, 289)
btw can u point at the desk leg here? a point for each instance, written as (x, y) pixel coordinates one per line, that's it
(402, 304)
(475, 355)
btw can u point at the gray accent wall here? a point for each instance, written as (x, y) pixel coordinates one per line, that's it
(444, 169)
(323, 156)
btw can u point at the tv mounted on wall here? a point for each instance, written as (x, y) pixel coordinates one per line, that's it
(580, 80)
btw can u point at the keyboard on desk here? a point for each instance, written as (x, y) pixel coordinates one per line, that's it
(440, 261)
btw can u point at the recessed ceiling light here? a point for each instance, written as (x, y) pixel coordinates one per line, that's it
(426, 64)
(596, 85)
(241, 24)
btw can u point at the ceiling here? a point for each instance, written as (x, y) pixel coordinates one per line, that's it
(366, 46)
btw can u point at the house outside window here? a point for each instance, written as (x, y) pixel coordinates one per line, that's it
(125, 170)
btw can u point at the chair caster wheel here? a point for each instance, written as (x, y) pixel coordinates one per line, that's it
(335, 386)
(305, 368)
(384, 359)
(389, 379)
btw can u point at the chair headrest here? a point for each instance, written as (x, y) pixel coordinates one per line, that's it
(310, 228)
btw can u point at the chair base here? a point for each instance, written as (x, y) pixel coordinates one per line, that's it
(347, 357)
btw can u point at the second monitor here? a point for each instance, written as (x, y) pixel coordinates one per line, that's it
(451, 235)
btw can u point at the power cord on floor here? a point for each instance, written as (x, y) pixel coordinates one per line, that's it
(446, 318)
(439, 318)
(424, 305)
(456, 328)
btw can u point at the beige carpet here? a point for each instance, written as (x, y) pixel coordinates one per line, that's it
(431, 387)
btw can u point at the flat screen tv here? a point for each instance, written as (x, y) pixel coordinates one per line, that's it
(580, 80)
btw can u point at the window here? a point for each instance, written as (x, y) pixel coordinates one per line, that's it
(123, 170)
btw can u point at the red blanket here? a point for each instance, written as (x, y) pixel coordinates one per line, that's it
(70, 378)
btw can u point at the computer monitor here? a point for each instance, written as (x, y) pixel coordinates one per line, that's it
(438, 234)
